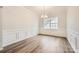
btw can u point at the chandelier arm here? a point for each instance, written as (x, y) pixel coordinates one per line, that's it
(43, 13)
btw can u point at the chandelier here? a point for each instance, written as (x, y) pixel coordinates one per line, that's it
(43, 13)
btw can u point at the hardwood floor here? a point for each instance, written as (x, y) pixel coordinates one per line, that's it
(40, 44)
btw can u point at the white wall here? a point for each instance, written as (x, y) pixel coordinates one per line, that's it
(59, 12)
(0, 28)
(18, 23)
(73, 27)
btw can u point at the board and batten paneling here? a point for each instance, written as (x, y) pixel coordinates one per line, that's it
(73, 27)
(18, 23)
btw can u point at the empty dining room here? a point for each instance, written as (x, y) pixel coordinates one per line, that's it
(39, 29)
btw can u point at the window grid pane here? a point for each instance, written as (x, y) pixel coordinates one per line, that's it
(46, 24)
(51, 23)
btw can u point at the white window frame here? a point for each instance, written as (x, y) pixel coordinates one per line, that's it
(54, 19)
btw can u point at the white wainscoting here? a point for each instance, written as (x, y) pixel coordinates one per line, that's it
(13, 36)
(73, 38)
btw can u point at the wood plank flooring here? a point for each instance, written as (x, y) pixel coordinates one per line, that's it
(40, 44)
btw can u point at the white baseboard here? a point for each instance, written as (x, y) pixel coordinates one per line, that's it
(1, 49)
(17, 40)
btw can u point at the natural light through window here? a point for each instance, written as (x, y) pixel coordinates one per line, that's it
(50, 23)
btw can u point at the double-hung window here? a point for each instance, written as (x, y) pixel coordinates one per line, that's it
(50, 23)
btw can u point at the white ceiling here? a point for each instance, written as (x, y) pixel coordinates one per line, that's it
(48, 9)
